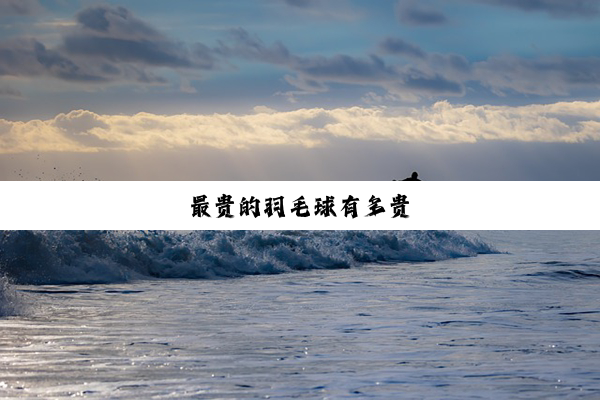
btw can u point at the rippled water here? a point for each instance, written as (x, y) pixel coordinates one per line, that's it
(520, 324)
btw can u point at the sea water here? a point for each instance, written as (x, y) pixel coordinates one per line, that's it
(300, 314)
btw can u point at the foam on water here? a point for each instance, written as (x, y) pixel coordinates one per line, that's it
(76, 257)
(10, 300)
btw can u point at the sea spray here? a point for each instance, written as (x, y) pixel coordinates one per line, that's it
(56, 257)
(11, 303)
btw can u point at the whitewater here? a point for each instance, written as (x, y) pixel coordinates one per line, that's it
(324, 314)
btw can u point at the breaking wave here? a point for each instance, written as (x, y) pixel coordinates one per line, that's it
(10, 300)
(77, 257)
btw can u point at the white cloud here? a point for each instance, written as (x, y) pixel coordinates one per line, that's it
(264, 110)
(85, 131)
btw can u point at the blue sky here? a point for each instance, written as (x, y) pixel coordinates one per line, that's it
(299, 75)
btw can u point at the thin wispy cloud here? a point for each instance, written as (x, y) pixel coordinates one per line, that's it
(342, 10)
(556, 8)
(413, 13)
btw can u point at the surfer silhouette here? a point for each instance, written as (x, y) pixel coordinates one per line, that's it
(414, 177)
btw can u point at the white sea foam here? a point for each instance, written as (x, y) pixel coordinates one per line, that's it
(10, 300)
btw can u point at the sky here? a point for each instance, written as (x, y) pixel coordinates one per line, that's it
(299, 89)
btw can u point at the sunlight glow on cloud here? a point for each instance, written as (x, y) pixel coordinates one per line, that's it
(85, 131)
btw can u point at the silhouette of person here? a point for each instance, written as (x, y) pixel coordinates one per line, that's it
(413, 177)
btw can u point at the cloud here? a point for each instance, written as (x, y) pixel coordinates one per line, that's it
(77, 125)
(114, 34)
(108, 44)
(264, 110)
(412, 13)
(115, 21)
(19, 7)
(85, 131)
(23, 57)
(329, 9)
(8, 91)
(400, 47)
(315, 72)
(556, 8)
(299, 3)
(544, 76)
(243, 44)
(424, 75)
(28, 57)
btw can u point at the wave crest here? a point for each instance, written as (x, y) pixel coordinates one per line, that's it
(57, 257)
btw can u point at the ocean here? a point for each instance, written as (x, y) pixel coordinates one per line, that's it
(319, 314)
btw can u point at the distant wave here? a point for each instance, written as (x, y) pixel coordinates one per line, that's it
(77, 257)
(575, 272)
(587, 269)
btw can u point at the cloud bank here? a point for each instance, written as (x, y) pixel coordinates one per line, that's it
(85, 131)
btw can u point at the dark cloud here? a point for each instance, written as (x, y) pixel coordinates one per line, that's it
(109, 44)
(243, 44)
(314, 72)
(449, 64)
(557, 8)
(413, 13)
(434, 85)
(448, 73)
(28, 57)
(114, 34)
(545, 76)
(402, 48)
(115, 21)
(344, 68)
(8, 91)
(129, 51)
(316, 68)
(299, 3)
(19, 7)
(343, 10)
